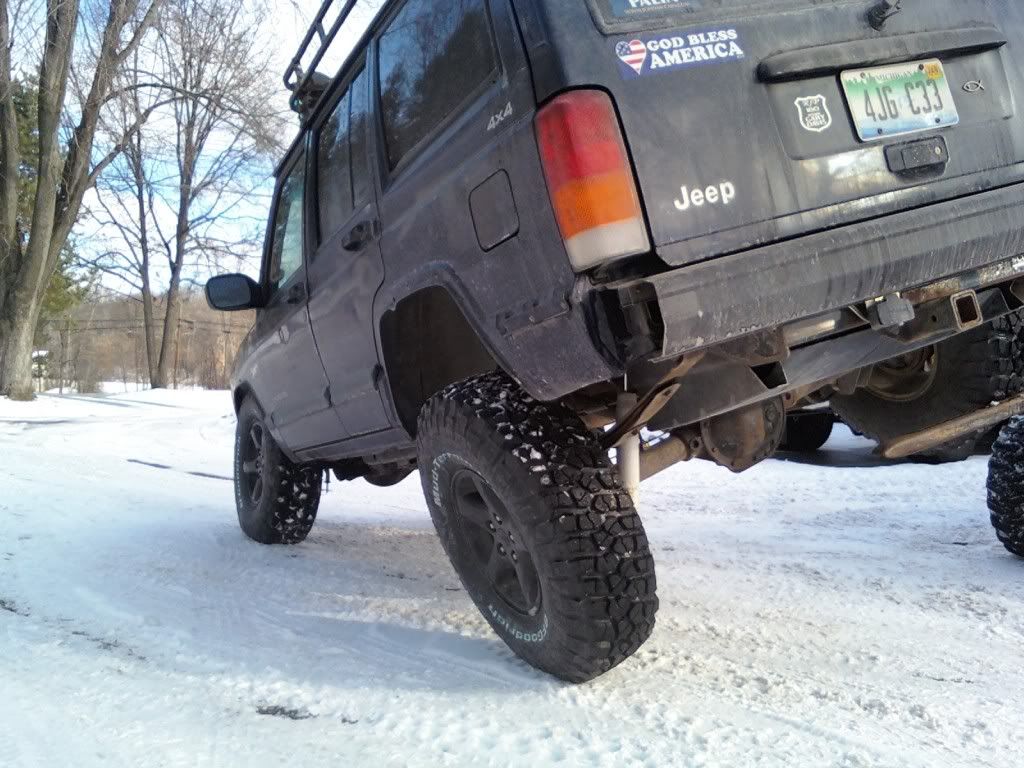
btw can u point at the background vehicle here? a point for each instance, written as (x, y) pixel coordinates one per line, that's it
(514, 233)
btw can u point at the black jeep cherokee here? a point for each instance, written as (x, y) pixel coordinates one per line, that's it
(514, 235)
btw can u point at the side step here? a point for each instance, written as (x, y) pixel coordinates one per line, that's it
(909, 445)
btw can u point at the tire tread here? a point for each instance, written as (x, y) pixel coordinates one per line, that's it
(593, 536)
(1006, 486)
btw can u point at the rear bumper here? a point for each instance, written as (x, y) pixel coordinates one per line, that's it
(725, 298)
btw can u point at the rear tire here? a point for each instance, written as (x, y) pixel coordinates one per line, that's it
(969, 372)
(277, 500)
(1006, 486)
(535, 521)
(807, 432)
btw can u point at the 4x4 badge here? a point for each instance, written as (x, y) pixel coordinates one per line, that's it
(814, 114)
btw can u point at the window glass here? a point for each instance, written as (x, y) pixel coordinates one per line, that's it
(334, 171)
(615, 10)
(343, 167)
(286, 249)
(433, 54)
(359, 133)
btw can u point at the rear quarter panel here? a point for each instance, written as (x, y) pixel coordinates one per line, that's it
(518, 295)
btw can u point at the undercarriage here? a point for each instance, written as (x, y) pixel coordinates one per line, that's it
(728, 403)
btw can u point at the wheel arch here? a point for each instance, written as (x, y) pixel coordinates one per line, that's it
(240, 392)
(428, 342)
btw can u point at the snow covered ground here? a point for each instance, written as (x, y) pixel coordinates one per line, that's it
(835, 613)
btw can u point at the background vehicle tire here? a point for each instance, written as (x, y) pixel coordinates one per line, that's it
(959, 376)
(807, 432)
(1006, 486)
(535, 521)
(276, 500)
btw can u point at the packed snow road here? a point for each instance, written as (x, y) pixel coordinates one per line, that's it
(842, 613)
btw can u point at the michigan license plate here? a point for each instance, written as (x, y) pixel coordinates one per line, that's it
(901, 99)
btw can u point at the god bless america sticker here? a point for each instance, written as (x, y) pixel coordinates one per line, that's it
(644, 56)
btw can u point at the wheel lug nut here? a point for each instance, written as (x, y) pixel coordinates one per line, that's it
(491, 527)
(501, 550)
(515, 558)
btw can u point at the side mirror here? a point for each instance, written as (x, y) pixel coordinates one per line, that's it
(234, 293)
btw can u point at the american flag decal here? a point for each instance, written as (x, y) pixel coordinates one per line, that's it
(633, 54)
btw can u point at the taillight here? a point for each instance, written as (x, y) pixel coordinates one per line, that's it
(590, 180)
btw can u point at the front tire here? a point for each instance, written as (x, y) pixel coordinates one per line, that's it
(1006, 486)
(276, 499)
(535, 521)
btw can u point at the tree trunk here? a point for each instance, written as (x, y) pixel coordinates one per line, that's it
(149, 330)
(135, 153)
(64, 173)
(16, 376)
(25, 298)
(5, 331)
(171, 318)
(10, 161)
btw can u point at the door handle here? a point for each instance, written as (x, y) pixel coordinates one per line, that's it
(296, 294)
(358, 237)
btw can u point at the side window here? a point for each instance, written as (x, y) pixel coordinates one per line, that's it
(431, 56)
(343, 168)
(334, 174)
(286, 249)
(360, 125)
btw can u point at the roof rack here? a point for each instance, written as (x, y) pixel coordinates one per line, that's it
(308, 86)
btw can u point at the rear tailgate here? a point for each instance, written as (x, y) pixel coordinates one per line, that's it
(750, 122)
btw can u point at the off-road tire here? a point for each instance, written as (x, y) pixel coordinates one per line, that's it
(976, 369)
(807, 432)
(286, 507)
(1006, 486)
(567, 511)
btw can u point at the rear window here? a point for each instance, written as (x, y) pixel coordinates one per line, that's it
(615, 12)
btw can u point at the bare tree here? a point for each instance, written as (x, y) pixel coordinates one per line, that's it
(180, 197)
(124, 202)
(29, 251)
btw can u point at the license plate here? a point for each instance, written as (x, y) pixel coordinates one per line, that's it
(901, 99)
